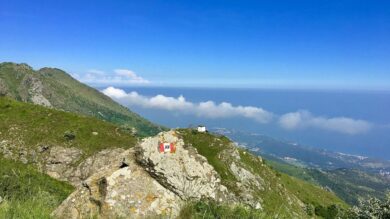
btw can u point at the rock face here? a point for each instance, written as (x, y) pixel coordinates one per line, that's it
(35, 91)
(58, 160)
(61, 163)
(185, 172)
(247, 181)
(3, 88)
(124, 191)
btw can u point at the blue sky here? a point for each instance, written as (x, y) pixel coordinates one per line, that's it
(274, 44)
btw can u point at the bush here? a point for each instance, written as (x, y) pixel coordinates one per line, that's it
(69, 135)
(330, 212)
(371, 208)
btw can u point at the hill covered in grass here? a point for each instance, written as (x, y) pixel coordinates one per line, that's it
(28, 126)
(281, 194)
(55, 88)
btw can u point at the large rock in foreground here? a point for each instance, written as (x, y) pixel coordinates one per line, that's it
(122, 191)
(184, 172)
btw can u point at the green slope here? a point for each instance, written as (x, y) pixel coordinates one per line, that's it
(281, 187)
(348, 184)
(27, 193)
(28, 125)
(20, 82)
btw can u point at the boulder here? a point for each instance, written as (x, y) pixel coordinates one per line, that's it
(126, 191)
(184, 172)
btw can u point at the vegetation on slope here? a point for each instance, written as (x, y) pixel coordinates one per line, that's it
(348, 184)
(65, 93)
(27, 193)
(322, 203)
(29, 125)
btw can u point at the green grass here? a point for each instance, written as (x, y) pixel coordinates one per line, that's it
(292, 170)
(210, 210)
(28, 193)
(31, 126)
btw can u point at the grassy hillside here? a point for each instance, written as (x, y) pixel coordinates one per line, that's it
(21, 82)
(280, 186)
(348, 184)
(28, 125)
(27, 193)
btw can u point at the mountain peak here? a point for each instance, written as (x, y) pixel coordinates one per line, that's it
(54, 87)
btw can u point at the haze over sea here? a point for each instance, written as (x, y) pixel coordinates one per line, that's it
(366, 131)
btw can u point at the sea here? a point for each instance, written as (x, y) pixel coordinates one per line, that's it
(371, 106)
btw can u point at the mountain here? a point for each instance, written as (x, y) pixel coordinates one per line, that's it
(55, 88)
(98, 169)
(350, 176)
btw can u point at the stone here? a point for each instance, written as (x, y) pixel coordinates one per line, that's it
(59, 159)
(185, 172)
(127, 192)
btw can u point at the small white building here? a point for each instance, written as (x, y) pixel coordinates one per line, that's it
(201, 128)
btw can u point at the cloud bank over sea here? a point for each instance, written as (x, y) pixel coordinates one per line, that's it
(301, 119)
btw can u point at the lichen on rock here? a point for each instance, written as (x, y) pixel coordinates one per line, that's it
(184, 172)
(127, 192)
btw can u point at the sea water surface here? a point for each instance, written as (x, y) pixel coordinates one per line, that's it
(372, 106)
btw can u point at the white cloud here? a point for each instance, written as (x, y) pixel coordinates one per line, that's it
(114, 93)
(130, 75)
(208, 109)
(118, 77)
(304, 119)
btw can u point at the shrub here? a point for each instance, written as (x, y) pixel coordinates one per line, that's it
(371, 208)
(69, 135)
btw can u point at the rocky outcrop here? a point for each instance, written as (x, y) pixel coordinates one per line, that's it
(58, 161)
(248, 183)
(3, 88)
(121, 191)
(35, 91)
(184, 172)
(62, 163)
